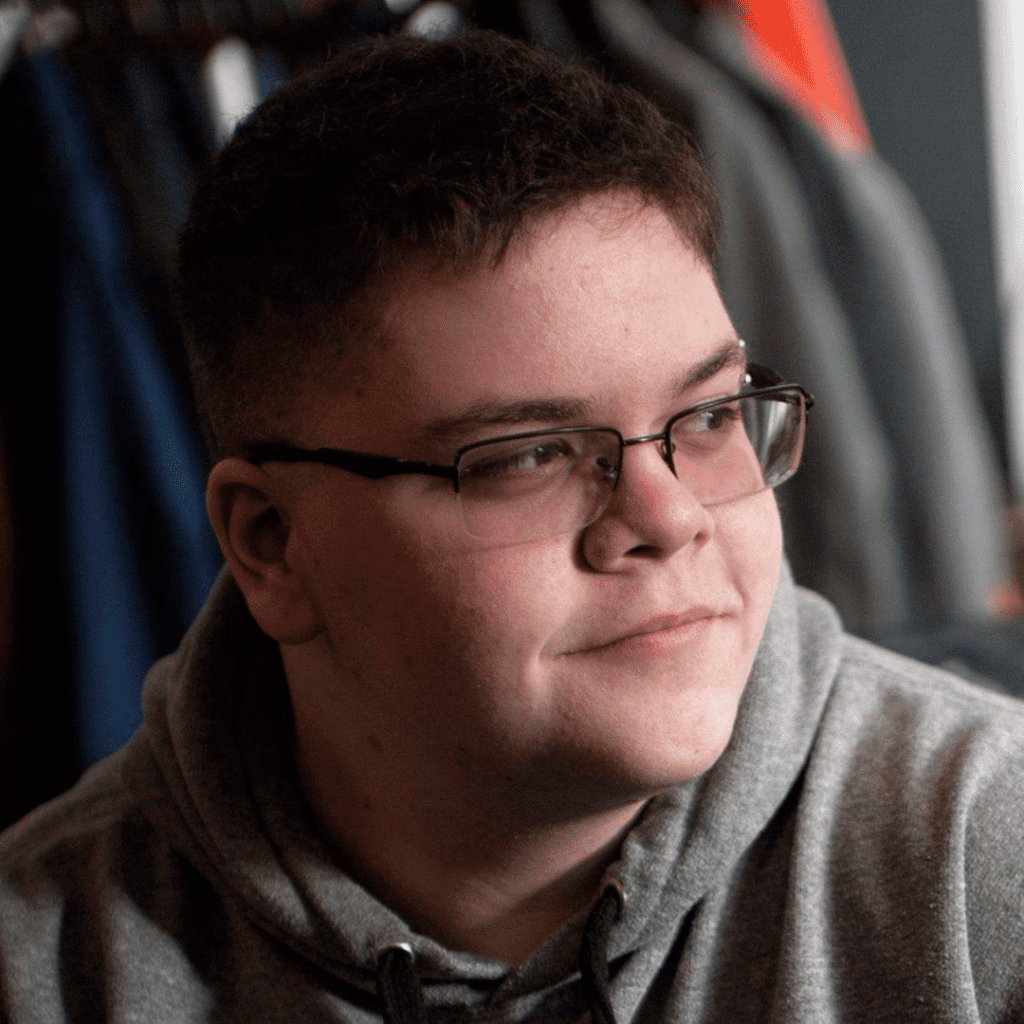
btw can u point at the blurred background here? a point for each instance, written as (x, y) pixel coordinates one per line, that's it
(868, 157)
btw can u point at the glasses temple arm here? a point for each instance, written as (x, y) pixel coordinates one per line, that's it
(373, 467)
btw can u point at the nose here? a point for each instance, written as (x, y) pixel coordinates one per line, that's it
(651, 514)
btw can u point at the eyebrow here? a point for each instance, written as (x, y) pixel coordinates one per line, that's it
(732, 353)
(571, 410)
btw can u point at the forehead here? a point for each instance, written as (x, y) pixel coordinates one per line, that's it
(602, 304)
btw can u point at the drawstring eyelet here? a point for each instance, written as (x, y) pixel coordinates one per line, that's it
(398, 984)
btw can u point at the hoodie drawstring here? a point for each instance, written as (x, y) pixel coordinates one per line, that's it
(594, 951)
(398, 983)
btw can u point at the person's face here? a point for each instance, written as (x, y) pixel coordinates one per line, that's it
(608, 662)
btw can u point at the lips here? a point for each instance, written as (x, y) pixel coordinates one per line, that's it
(656, 628)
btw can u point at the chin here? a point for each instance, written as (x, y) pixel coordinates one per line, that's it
(683, 729)
(619, 773)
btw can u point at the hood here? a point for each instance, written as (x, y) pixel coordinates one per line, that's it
(213, 764)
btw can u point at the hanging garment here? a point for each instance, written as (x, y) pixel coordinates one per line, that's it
(886, 269)
(794, 46)
(140, 554)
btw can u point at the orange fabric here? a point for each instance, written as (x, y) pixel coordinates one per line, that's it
(794, 45)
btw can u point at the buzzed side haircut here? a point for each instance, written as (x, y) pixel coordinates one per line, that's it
(397, 152)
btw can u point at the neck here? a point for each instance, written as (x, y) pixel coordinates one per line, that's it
(479, 879)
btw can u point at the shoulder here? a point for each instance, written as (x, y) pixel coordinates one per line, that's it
(897, 727)
(84, 882)
(52, 865)
(57, 839)
(905, 749)
(83, 849)
(917, 778)
(929, 713)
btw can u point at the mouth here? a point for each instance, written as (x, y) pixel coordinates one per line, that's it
(653, 635)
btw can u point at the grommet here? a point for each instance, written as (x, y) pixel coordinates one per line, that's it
(394, 947)
(620, 894)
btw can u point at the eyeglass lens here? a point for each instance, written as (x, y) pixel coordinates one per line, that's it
(529, 488)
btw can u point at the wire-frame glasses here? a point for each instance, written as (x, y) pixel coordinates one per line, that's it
(541, 483)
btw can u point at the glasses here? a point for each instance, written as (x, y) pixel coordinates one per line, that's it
(542, 483)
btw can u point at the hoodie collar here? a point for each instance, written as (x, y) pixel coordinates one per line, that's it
(213, 761)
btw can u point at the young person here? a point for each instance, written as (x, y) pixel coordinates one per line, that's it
(506, 707)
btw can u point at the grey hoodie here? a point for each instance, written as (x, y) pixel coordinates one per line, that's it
(854, 855)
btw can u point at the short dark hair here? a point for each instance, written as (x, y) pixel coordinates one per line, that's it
(397, 150)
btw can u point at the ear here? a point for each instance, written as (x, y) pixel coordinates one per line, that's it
(250, 514)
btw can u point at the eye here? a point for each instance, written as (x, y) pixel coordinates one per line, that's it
(707, 428)
(719, 417)
(504, 459)
(516, 467)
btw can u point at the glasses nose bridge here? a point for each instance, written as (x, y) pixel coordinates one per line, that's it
(664, 446)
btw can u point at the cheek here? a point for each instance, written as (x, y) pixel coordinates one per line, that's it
(497, 607)
(467, 633)
(412, 591)
(362, 570)
(750, 538)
